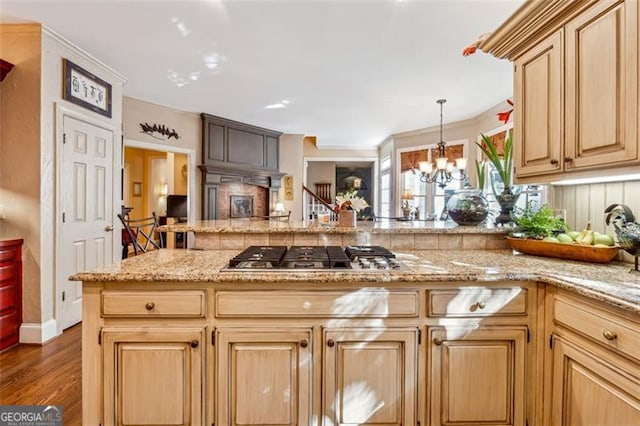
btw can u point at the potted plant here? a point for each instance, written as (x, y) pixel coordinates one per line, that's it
(506, 193)
(348, 204)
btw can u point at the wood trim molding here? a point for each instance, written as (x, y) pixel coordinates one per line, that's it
(532, 22)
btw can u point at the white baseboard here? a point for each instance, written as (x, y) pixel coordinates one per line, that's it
(38, 333)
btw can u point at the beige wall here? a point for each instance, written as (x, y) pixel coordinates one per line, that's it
(180, 181)
(311, 150)
(322, 172)
(31, 98)
(187, 124)
(291, 153)
(20, 125)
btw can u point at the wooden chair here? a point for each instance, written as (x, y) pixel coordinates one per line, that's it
(140, 233)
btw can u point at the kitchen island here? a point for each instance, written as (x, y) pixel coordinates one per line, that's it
(170, 337)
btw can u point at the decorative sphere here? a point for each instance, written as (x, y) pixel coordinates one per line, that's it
(468, 207)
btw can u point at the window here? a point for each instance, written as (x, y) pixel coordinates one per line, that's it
(385, 187)
(428, 198)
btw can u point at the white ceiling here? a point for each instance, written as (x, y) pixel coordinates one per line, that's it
(353, 72)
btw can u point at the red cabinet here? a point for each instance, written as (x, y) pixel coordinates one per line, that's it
(10, 291)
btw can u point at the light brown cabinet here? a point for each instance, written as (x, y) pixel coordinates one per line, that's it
(370, 376)
(477, 375)
(595, 374)
(575, 87)
(264, 376)
(153, 376)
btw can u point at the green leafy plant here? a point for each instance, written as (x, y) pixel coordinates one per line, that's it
(481, 172)
(537, 224)
(504, 164)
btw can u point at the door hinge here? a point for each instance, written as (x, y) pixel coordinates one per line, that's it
(419, 337)
(64, 138)
(63, 296)
(528, 335)
(64, 217)
(526, 422)
(213, 338)
(551, 341)
(100, 337)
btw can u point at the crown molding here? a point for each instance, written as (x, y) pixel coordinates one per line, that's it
(532, 22)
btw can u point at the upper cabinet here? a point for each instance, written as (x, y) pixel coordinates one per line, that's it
(227, 143)
(576, 86)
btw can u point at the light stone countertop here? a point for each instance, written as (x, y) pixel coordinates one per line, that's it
(249, 226)
(611, 283)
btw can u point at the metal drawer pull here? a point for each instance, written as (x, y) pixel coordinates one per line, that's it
(331, 343)
(437, 341)
(304, 344)
(149, 306)
(609, 335)
(194, 344)
(476, 306)
(553, 161)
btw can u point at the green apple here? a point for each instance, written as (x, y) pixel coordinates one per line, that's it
(551, 239)
(573, 234)
(564, 238)
(604, 239)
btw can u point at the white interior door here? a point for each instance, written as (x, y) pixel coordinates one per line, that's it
(86, 199)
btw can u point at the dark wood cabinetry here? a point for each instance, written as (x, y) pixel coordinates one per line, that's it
(237, 153)
(10, 291)
(226, 142)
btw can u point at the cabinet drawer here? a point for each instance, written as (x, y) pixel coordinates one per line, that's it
(9, 255)
(8, 296)
(154, 304)
(598, 324)
(362, 303)
(477, 302)
(8, 271)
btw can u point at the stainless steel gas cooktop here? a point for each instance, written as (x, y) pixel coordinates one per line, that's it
(314, 258)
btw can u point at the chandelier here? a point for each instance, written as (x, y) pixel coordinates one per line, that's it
(444, 172)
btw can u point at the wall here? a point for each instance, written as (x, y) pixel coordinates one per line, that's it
(20, 154)
(187, 124)
(588, 201)
(180, 180)
(30, 101)
(322, 172)
(290, 158)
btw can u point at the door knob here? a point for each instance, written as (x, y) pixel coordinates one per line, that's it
(438, 341)
(304, 343)
(108, 228)
(331, 343)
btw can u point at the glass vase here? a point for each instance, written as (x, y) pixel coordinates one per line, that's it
(468, 207)
(507, 198)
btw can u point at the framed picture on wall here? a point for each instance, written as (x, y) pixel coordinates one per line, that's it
(85, 89)
(241, 206)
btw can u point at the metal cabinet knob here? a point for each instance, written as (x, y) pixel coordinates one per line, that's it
(553, 161)
(304, 343)
(194, 344)
(438, 341)
(609, 335)
(568, 159)
(108, 228)
(481, 305)
(331, 343)
(149, 306)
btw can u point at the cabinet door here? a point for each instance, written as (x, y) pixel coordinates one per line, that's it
(369, 376)
(477, 375)
(602, 85)
(538, 108)
(588, 388)
(153, 376)
(264, 376)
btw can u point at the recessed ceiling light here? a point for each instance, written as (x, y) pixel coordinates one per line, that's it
(275, 106)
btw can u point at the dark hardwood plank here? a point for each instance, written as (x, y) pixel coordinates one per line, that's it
(45, 375)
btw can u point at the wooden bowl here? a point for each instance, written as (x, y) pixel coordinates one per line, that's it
(563, 250)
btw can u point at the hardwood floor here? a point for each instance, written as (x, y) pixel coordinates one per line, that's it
(45, 375)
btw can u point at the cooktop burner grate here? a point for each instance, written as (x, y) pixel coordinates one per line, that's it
(367, 251)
